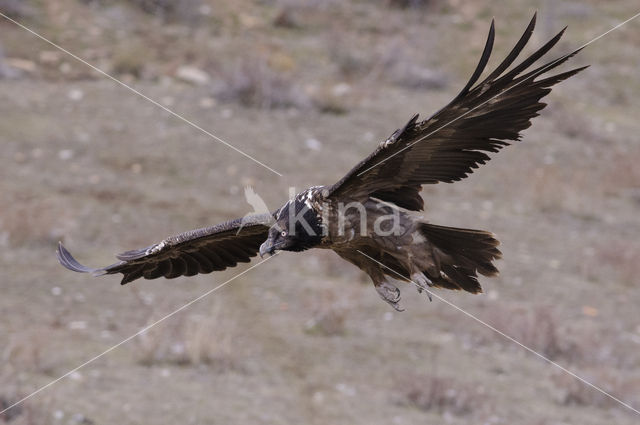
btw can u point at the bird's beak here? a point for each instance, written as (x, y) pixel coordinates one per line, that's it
(267, 248)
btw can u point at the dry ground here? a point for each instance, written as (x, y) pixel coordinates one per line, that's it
(309, 89)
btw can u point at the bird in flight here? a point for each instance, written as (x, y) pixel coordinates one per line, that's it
(370, 217)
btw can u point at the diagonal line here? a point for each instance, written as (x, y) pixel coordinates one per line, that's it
(159, 105)
(499, 332)
(544, 68)
(141, 331)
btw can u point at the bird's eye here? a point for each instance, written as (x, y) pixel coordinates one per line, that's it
(283, 233)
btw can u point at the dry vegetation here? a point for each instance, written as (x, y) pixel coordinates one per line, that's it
(255, 83)
(16, 9)
(308, 88)
(431, 392)
(190, 340)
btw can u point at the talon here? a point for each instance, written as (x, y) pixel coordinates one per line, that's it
(422, 283)
(390, 294)
(397, 307)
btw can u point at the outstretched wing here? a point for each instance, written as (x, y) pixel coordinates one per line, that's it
(198, 251)
(446, 147)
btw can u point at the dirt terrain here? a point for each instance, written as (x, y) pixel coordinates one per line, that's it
(308, 88)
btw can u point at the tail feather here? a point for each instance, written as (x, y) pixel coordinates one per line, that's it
(468, 252)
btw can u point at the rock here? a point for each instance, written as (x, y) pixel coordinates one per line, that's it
(249, 21)
(167, 100)
(21, 64)
(65, 67)
(341, 89)
(77, 325)
(6, 71)
(75, 94)
(207, 102)
(49, 57)
(313, 144)
(65, 154)
(192, 75)
(13, 68)
(79, 418)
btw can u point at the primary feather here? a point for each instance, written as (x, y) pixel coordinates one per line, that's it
(448, 146)
(197, 251)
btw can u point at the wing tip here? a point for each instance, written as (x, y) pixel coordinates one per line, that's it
(532, 22)
(492, 35)
(558, 36)
(66, 260)
(484, 59)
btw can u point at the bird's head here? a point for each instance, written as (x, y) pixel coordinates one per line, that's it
(297, 228)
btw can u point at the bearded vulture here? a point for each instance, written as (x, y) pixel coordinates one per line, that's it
(369, 217)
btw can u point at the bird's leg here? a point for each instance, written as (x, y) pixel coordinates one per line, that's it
(389, 293)
(422, 282)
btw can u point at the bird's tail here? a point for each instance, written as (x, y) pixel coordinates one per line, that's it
(466, 252)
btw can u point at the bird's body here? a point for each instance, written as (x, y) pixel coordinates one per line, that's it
(371, 217)
(385, 241)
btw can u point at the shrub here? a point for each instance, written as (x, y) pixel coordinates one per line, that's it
(439, 394)
(254, 83)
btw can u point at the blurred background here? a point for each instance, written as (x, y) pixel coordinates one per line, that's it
(309, 88)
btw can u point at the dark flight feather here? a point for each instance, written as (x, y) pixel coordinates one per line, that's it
(187, 254)
(484, 59)
(448, 146)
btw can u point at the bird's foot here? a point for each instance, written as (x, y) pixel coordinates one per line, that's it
(423, 283)
(390, 294)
